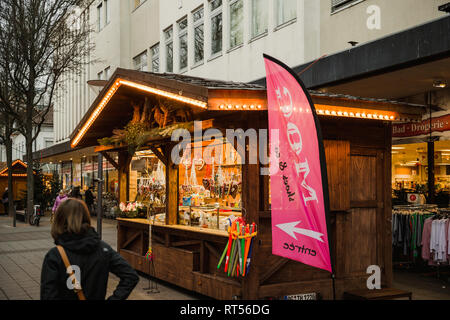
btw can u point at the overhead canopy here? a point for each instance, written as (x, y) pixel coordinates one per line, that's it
(113, 109)
(396, 66)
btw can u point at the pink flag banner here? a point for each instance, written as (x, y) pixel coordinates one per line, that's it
(298, 176)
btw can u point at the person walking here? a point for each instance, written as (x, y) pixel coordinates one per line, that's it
(89, 199)
(5, 201)
(76, 193)
(60, 198)
(79, 246)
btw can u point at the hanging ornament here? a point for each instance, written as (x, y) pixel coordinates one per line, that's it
(193, 181)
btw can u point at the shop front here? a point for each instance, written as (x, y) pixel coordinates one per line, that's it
(182, 209)
(79, 169)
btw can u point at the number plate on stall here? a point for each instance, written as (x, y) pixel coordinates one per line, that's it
(302, 296)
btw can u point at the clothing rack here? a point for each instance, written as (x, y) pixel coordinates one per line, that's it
(407, 227)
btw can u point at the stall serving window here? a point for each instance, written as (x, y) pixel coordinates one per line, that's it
(147, 188)
(210, 185)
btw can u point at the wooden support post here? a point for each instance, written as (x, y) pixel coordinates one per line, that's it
(110, 159)
(251, 180)
(162, 157)
(171, 188)
(124, 168)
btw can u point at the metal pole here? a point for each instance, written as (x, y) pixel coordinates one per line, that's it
(99, 195)
(430, 149)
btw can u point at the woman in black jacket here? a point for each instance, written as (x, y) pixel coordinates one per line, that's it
(89, 256)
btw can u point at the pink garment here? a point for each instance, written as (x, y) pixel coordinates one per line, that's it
(447, 237)
(426, 235)
(58, 201)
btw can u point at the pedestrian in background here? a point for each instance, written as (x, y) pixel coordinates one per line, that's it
(91, 259)
(5, 201)
(60, 198)
(76, 193)
(89, 199)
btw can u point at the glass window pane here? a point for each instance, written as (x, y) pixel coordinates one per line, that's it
(155, 50)
(198, 43)
(182, 24)
(259, 17)
(286, 10)
(236, 18)
(216, 34)
(168, 34)
(198, 14)
(215, 4)
(183, 51)
(155, 65)
(169, 57)
(99, 17)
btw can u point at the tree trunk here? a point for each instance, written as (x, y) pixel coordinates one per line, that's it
(30, 176)
(11, 209)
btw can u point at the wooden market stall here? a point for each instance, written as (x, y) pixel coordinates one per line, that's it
(19, 176)
(357, 139)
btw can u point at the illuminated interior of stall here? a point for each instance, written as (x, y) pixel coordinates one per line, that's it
(209, 184)
(147, 184)
(410, 166)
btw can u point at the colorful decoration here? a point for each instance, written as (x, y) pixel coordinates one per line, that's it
(237, 252)
(132, 210)
(149, 255)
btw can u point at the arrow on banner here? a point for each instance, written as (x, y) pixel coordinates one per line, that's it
(290, 229)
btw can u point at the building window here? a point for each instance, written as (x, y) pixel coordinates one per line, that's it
(99, 17)
(106, 3)
(286, 11)
(107, 73)
(103, 14)
(236, 25)
(259, 17)
(140, 61)
(168, 37)
(199, 39)
(100, 75)
(155, 57)
(216, 26)
(341, 4)
(183, 36)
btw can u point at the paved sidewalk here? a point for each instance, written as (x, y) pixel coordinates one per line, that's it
(22, 251)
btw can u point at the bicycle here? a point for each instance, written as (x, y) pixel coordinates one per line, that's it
(36, 216)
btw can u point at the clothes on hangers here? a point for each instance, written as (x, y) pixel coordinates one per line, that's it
(435, 241)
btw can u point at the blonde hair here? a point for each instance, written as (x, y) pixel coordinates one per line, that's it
(72, 216)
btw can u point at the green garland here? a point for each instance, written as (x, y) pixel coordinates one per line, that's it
(136, 134)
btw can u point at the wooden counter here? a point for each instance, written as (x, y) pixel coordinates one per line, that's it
(209, 231)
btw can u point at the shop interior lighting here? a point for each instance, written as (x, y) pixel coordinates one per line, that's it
(352, 113)
(439, 84)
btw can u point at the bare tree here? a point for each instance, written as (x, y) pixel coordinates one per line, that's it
(40, 42)
(6, 131)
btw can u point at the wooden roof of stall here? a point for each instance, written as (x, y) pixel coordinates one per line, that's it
(214, 94)
(19, 169)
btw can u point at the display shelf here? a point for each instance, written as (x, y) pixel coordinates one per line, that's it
(215, 232)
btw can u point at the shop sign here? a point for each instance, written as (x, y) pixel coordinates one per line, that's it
(411, 129)
(299, 188)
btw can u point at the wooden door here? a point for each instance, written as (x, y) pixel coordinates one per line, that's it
(360, 231)
(357, 183)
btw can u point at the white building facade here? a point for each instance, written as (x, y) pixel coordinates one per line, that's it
(226, 39)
